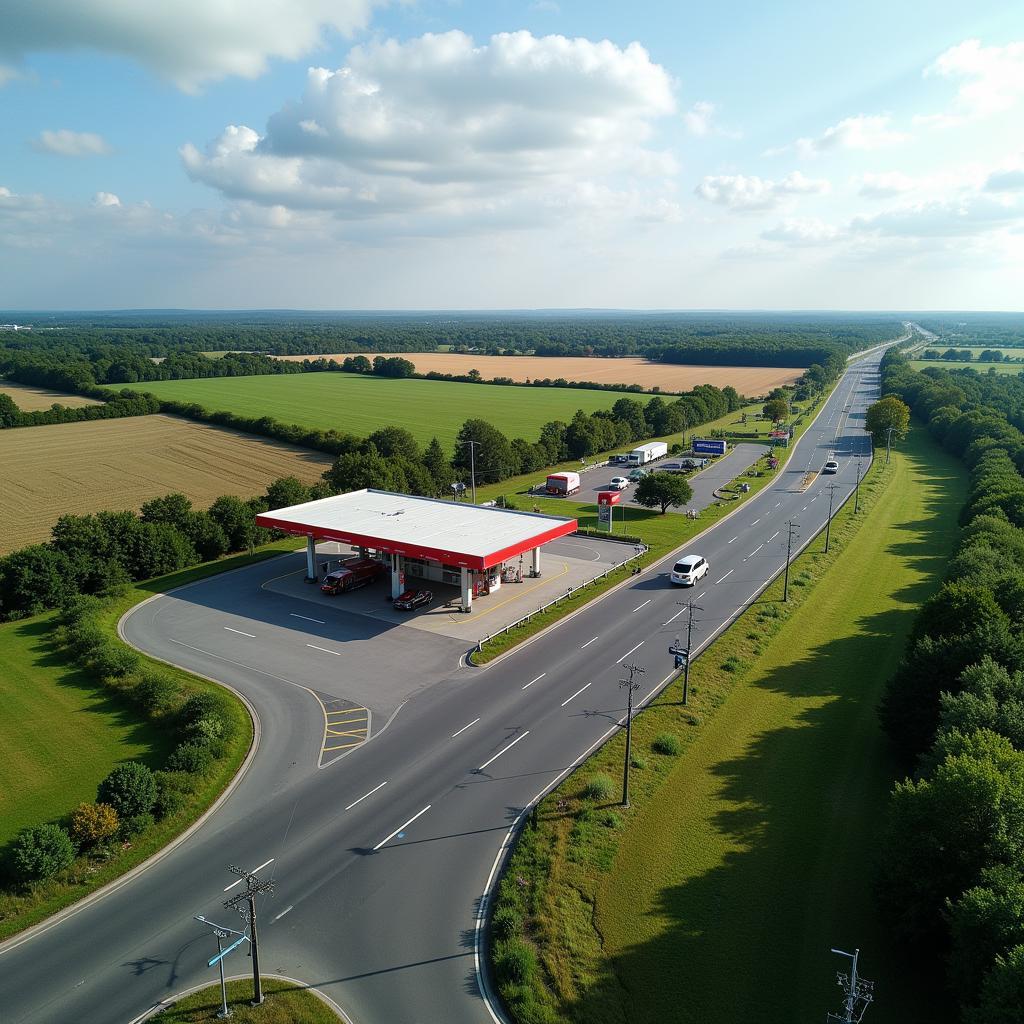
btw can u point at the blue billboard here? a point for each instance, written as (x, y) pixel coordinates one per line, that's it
(708, 446)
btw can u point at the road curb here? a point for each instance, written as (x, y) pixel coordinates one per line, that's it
(165, 1004)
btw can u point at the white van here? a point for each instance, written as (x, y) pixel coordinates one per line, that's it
(689, 569)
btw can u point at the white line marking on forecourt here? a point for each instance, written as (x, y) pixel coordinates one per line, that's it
(308, 618)
(532, 681)
(400, 827)
(365, 795)
(465, 727)
(503, 749)
(240, 633)
(576, 694)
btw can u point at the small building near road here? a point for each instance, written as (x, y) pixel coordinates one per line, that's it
(463, 545)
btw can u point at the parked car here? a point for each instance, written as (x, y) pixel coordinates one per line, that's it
(352, 575)
(619, 483)
(616, 459)
(411, 599)
(831, 466)
(689, 569)
(638, 474)
(694, 463)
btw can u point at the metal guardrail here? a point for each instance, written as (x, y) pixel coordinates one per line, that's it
(561, 597)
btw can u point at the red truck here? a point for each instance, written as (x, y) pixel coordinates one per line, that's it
(352, 575)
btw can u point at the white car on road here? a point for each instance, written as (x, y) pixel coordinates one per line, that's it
(689, 569)
(619, 483)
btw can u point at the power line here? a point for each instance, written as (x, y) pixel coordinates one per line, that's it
(245, 904)
(473, 445)
(858, 993)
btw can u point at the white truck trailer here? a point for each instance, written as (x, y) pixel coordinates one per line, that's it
(645, 453)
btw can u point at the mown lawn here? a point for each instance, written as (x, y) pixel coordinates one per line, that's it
(61, 733)
(356, 404)
(757, 855)
(284, 1004)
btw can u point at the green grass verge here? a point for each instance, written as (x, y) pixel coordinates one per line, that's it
(284, 1003)
(741, 861)
(66, 732)
(357, 404)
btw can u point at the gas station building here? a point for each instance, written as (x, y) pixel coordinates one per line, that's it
(463, 545)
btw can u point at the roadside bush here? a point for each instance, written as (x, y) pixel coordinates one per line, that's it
(190, 757)
(41, 851)
(173, 791)
(598, 787)
(112, 659)
(1002, 994)
(515, 962)
(666, 743)
(156, 693)
(130, 789)
(92, 824)
(638, 762)
(135, 825)
(84, 636)
(506, 923)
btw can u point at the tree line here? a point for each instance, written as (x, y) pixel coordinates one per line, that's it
(952, 875)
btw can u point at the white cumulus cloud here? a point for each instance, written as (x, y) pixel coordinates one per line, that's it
(189, 42)
(991, 79)
(749, 192)
(698, 119)
(802, 231)
(886, 184)
(106, 199)
(953, 218)
(68, 143)
(861, 132)
(442, 123)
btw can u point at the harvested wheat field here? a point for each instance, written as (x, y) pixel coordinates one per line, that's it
(76, 468)
(28, 398)
(747, 380)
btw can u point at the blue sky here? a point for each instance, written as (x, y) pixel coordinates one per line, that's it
(508, 154)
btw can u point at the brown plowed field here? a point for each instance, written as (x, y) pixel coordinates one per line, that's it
(747, 380)
(29, 399)
(77, 468)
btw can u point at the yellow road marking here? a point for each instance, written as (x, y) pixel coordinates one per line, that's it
(343, 711)
(346, 732)
(341, 747)
(343, 721)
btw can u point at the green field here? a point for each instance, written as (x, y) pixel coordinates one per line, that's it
(60, 732)
(949, 364)
(356, 404)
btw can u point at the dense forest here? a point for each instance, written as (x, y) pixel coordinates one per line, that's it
(952, 862)
(1004, 330)
(116, 344)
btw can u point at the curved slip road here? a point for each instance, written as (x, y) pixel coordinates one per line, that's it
(382, 855)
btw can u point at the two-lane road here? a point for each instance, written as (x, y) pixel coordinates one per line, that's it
(382, 857)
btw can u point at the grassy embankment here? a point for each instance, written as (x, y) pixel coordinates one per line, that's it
(62, 732)
(661, 533)
(285, 1003)
(717, 896)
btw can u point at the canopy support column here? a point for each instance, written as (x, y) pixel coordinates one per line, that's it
(311, 576)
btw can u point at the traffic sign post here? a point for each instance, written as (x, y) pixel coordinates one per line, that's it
(221, 933)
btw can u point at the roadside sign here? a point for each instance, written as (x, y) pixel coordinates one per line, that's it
(224, 952)
(682, 652)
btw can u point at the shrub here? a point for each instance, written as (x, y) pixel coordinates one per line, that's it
(611, 819)
(666, 743)
(130, 789)
(598, 787)
(506, 923)
(515, 962)
(84, 636)
(190, 757)
(156, 693)
(113, 659)
(135, 825)
(41, 851)
(93, 823)
(638, 762)
(173, 790)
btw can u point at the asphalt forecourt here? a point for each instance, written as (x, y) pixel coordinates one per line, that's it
(380, 860)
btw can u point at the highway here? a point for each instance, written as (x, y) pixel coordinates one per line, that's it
(381, 858)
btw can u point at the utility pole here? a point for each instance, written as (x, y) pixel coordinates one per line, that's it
(828, 523)
(858, 994)
(689, 649)
(793, 528)
(245, 904)
(473, 445)
(856, 493)
(888, 443)
(631, 687)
